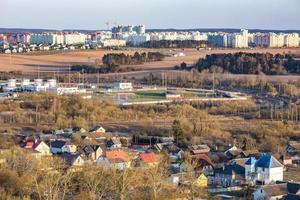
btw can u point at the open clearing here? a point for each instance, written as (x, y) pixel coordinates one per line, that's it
(59, 61)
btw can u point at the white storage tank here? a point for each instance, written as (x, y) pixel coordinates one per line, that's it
(38, 81)
(52, 83)
(11, 83)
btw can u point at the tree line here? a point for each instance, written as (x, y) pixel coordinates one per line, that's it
(136, 59)
(250, 63)
(112, 62)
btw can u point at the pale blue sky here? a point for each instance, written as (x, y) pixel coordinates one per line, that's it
(92, 14)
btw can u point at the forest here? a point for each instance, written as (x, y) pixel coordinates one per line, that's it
(250, 63)
(112, 62)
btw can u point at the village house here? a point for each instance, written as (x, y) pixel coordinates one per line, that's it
(98, 129)
(265, 170)
(93, 152)
(61, 146)
(56, 146)
(186, 178)
(286, 160)
(69, 148)
(114, 143)
(202, 180)
(293, 147)
(199, 149)
(175, 153)
(118, 159)
(250, 153)
(231, 174)
(38, 147)
(277, 191)
(271, 192)
(147, 159)
(233, 152)
(73, 160)
(203, 163)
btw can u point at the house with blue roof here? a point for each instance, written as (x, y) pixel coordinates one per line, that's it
(265, 170)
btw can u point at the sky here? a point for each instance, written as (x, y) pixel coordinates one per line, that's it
(93, 14)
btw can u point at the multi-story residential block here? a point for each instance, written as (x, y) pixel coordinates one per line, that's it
(238, 40)
(219, 40)
(291, 40)
(74, 38)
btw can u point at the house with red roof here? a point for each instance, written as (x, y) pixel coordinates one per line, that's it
(147, 159)
(118, 159)
(38, 147)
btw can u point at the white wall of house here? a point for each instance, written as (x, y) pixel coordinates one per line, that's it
(276, 174)
(43, 148)
(79, 161)
(69, 149)
(269, 175)
(106, 163)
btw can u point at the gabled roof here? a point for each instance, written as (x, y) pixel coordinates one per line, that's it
(275, 190)
(230, 170)
(148, 157)
(293, 188)
(90, 149)
(117, 156)
(204, 158)
(57, 144)
(236, 166)
(249, 153)
(96, 128)
(69, 158)
(268, 161)
(292, 197)
(29, 144)
(196, 149)
(295, 146)
(250, 161)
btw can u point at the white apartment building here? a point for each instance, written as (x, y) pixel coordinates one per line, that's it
(113, 43)
(291, 40)
(238, 40)
(47, 38)
(75, 38)
(261, 40)
(274, 40)
(138, 39)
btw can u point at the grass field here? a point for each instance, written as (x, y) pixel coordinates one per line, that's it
(55, 61)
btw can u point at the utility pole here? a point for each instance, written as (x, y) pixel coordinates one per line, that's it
(214, 83)
(38, 71)
(69, 74)
(98, 78)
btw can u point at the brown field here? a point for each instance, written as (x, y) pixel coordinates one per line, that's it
(55, 61)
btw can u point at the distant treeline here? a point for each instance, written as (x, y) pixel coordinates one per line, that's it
(112, 62)
(174, 44)
(136, 59)
(250, 63)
